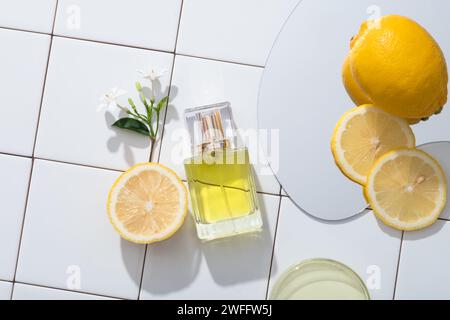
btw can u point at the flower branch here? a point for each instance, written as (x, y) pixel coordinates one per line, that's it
(146, 123)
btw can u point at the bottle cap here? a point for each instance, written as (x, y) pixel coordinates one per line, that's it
(211, 127)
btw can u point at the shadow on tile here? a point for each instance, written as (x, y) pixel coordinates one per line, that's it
(384, 228)
(332, 222)
(174, 264)
(242, 258)
(134, 268)
(173, 113)
(130, 139)
(125, 139)
(159, 93)
(425, 233)
(256, 178)
(413, 235)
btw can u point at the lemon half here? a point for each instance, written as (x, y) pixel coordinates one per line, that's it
(407, 189)
(147, 203)
(363, 135)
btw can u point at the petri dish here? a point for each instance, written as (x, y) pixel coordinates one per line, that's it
(319, 279)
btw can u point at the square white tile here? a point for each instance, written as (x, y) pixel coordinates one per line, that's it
(233, 30)
(23, 61)
(15, 175)
(150, 24)
(5, 290)
(424, 264)
(198, 82)
(68, 241)
(71, 128)
(362, 243)
(233, 268)
(33, 15)
(29, 292)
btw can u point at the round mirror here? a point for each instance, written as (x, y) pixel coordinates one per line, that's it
(302, 96)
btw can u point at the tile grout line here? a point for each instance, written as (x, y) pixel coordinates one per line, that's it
(154, 49)
(79, 164)
(170, 82)
(398, 265)
(161, 139)
(161, 136)
(24, 30)
(159, 151)
(179, 24)
(273, 248)
(268, 193)
(34, 148)
(136, 47)
(111, 169)
(113, 44)
(142, 272)
(281, 196)
(8, 281)
(220, 60)
(67, 290)
(15, 155)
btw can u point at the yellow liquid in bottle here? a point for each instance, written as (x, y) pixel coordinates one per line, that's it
(221, 186)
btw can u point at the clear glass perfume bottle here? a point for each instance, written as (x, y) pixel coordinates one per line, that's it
(219, 175)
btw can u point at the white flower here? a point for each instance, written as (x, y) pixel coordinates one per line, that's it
(109, 99)
(152, 75)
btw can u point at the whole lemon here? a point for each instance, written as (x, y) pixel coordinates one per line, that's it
(395, 64)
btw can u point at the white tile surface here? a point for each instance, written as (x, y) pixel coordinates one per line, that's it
(144, 23)
(21, 80)
(234, 268)
(33, 15)
(28, 292)
(67, 233)
(5, 290)
(66, 225)
(15, 174)
(424, 264)
(232, 30)
(80, 72)
(198, 82)
(359, 243)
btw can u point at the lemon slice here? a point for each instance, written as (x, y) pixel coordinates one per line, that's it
(407, 189)
(147, 203)
(363, 135)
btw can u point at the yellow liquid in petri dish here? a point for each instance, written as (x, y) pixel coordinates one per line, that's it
(320, 279)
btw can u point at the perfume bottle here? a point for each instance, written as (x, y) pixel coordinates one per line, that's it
(219, 175)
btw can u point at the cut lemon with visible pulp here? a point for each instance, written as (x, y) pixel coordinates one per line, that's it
(407, 189)
(147, 203)
(363, 135)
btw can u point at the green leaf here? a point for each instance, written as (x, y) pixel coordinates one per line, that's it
(162, 103)
(133, 125)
